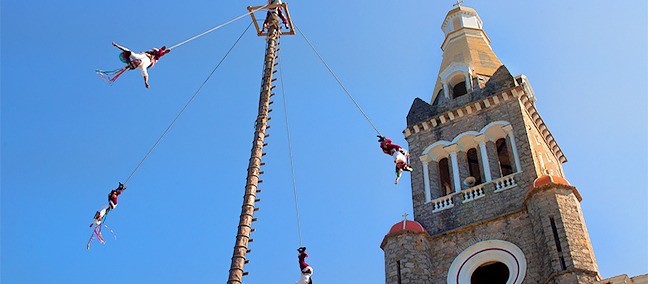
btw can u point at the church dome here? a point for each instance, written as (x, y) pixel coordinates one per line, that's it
(548, 179)
(406, 225)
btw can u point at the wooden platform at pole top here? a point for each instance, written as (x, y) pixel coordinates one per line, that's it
(284, 6)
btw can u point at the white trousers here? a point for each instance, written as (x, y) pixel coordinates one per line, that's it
(305, 277)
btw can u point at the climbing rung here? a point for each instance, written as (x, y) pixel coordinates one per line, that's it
(252, 230)
(245, 273)
(274, 79)
(250, 240)
(260, 181)
(248, 251)
(271, 102)
(263, 154)
(263, 163)
(257, 200)
(247, 261)
(270, 110)
(258, 191)
(261, 172)
(272, 87)
(254, 219)
(265, 144)
(256, 208)
(272, 94)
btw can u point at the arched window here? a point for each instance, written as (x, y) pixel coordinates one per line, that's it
(473, 165)
(459, 90)
(504, 157)
(444, 177)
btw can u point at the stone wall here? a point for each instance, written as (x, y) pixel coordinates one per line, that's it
(412, 251)
(560, 203)
(514, 228)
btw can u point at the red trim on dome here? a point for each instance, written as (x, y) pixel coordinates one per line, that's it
(409, 226)
(547, 179)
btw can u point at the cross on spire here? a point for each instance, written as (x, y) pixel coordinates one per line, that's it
(458, 4)
(404, 219)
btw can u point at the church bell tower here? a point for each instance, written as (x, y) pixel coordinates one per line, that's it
(491, 201)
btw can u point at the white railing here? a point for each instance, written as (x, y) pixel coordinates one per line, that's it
(442, 203)
(473, 193)
(505, 183)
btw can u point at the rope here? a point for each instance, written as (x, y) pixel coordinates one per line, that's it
(290, 151)
(338, 80)
(185, 106)
(217, 27)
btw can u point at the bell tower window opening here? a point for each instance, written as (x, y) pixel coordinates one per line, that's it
(459, 90)
(491, 273)
(504, 157)
(473, 165)
(445, 183)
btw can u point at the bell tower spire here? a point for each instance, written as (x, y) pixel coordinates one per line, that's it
(468, 59)
(491, 194)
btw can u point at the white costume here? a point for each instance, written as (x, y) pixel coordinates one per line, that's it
(144, 59)
(305, 277)
(102, 213)
(400, 156)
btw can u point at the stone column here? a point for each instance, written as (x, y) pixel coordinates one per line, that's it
(453, 149)
(481, 139)
(446, 92)
(511, 138)
(493, 159)
(468, 82)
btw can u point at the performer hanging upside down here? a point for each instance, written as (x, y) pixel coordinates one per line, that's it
(112, 196)
(306, 270)
(401, 156)
(142, 60)
(272, 12)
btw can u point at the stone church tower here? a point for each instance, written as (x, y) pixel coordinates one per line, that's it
(491, 201)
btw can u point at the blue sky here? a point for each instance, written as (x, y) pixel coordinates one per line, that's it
(68, 138)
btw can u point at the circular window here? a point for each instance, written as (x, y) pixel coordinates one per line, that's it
(492, 261)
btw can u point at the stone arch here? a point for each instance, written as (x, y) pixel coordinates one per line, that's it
(495, 130)
(436, 151)
(466, 140)
(455, 74)
(485, 252)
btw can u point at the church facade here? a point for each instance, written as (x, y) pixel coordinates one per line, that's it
(491, 201)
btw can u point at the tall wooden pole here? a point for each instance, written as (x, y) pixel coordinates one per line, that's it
(239, 260)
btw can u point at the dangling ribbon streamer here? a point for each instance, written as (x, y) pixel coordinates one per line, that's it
(111, 231)
(112, 75)
(97, 232)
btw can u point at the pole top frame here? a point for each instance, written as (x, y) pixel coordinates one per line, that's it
(284, 6)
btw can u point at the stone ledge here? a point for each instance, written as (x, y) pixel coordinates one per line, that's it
(402, 232)
(549, 186)
(464, 110)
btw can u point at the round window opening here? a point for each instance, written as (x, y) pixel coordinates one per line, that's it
(490, 273)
